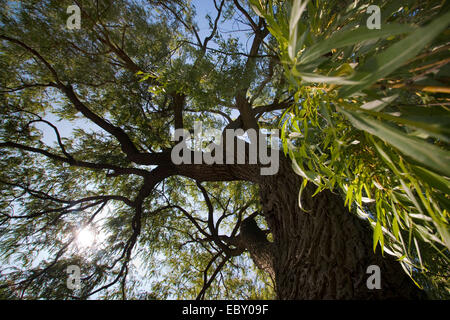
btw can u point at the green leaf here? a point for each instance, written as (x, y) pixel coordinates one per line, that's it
(433, 179)
(296, 12)
(377, 235)
(395, 228)
(311, 77)
(425, 153)
(378, 105)
(429, 121)
(302, 187)
(350, 37)
(396, 55)
(256, 6)
(434, 121)
(310, 175)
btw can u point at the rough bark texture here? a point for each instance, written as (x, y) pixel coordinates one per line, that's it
(322, 254)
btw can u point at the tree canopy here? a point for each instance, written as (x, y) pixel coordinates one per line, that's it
(86, 131)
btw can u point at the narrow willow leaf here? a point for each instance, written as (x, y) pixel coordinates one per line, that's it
(433, 120)
(418, 252)
(433, 179)
(425, 153)
(311, 77)
(302, 187)
(312, 176)
(350, 37)
(396, 55)
(296, 12)
(256, 6)
(395, 228)
(377, 235)
(378, 105)
(422, 118)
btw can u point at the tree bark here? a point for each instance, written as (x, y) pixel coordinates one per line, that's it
(320, 254)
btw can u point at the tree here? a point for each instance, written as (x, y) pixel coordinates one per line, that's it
(135, 72)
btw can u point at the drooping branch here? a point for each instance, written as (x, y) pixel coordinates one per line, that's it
(45, 196)
(192, 220)
(127, 145)
(208, 283)
(223, 114)
(103, 37)
(266, 79)
(58, 136)
(35, 53)
(150, 181)
(26, 86)
(212, 228)
(24, 284)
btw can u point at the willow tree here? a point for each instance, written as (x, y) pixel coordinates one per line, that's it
(124, 81)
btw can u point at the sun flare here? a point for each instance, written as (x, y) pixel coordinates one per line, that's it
(85, 237)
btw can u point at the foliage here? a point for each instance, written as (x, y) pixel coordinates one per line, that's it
(126, 66)
(371, 117)
(87, 116)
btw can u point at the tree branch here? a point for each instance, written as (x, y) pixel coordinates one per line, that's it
(77, 163)
(208, 283)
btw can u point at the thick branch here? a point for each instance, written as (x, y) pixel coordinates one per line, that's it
(77, 163)
(255, 241)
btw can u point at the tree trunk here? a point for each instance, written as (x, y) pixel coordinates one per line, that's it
(320, 254)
